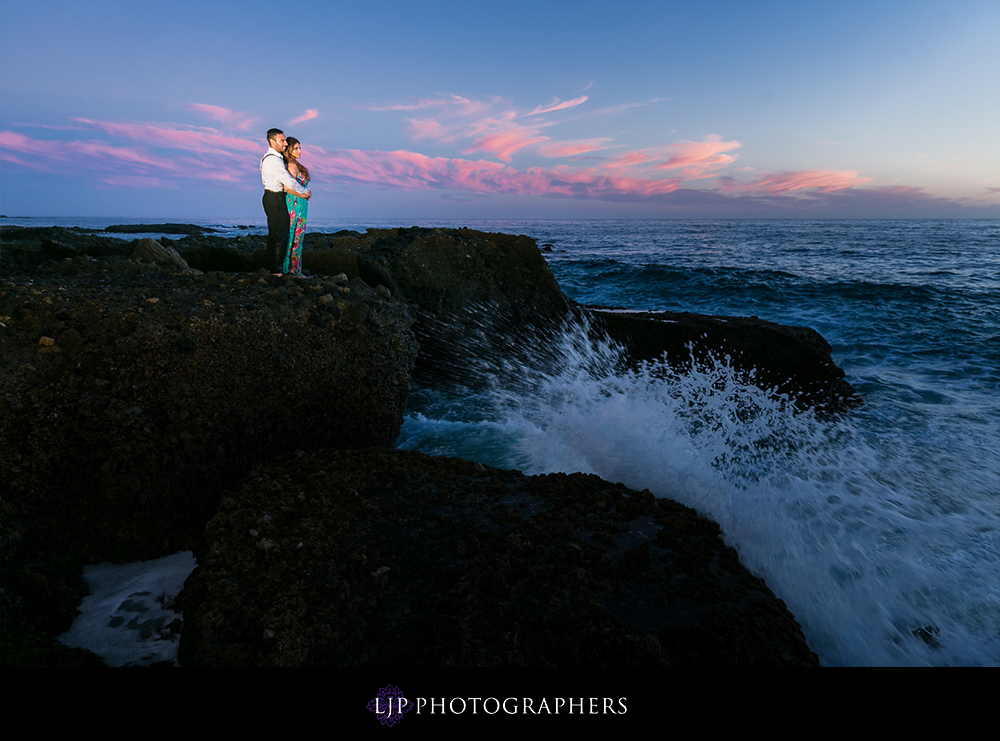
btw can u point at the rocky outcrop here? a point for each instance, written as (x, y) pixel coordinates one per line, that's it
(442, 271)
(438, 272)
(29, 247)
(394, 558)
(158, 229)
(132, 396)
(794, 361)
(472, 293)
(483, 295)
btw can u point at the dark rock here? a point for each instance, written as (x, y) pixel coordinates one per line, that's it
(158, 229)
(29, 247)
(474, 294)
(119, 437)
(149, 250)
(246, 253)
(443, 271)
(793, 360)
(393, 558)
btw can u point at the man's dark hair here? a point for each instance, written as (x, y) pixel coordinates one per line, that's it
(273, 133)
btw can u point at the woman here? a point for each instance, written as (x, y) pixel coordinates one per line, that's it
(297, 208)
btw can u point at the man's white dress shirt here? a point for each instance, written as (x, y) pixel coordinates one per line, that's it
(274, 175)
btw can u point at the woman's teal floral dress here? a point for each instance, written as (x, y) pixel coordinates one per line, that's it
(297, 209)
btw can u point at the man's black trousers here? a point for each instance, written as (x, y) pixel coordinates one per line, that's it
(277, 229)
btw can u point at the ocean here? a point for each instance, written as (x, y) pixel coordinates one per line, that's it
(879, 528)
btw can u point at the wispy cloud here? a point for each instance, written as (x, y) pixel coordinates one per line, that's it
(559, 150)
(492, 126)
(822, 181)
(698, 159)
(557, 106)
(503, 144)
(463, 106)
(309, 115)
(110, 162)
(622, 107)
(175, 136)
(233, 119)
(695, 160)
(425, 128)
(415, 171)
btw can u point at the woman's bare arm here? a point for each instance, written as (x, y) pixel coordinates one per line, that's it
(307, 196)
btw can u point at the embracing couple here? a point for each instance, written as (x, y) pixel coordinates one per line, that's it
(286, 200)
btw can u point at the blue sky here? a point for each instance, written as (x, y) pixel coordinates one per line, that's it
(505, 109)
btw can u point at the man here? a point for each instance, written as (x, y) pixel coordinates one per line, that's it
(276, 178)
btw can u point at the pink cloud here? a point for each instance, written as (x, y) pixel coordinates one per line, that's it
(164, 155)
(242, 121)
(556, 150)
(628, 160)
(14, 159)
(558, 106)
(414, 171)
(823, 181)
(13, 140)
(504, 144)
(50, 152)
(461, 106)
(69, 157)
(177, 136)
(696, 159)
(406, 170)
(309, 115)
(429, 129)
(626, 178)
(490, 126)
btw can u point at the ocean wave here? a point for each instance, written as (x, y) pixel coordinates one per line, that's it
(846, 519)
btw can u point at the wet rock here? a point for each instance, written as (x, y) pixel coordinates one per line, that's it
(394, 558)
(793, 360)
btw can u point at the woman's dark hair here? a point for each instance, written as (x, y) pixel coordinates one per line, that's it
(292, 141)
